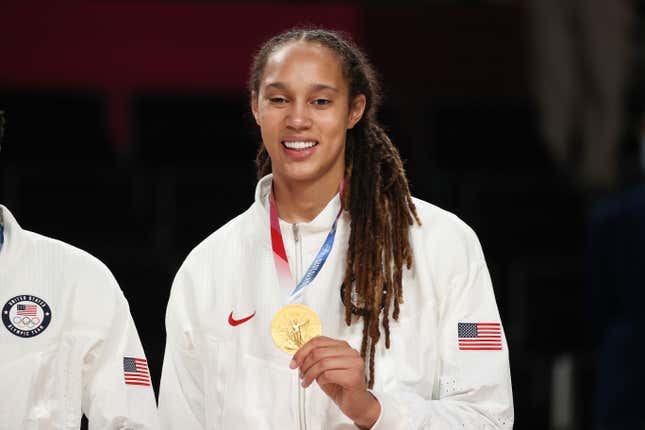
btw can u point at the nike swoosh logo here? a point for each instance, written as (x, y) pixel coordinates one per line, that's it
(235, 322)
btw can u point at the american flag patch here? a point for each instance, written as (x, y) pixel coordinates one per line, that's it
(135, 371)
(27, 310)
(479, 336)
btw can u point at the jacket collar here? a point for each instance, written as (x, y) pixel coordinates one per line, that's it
(321, 223)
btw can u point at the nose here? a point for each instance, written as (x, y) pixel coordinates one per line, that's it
(298, 117)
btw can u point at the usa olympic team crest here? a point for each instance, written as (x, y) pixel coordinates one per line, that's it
(26, 316)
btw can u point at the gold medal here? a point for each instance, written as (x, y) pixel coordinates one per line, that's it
(293, 326)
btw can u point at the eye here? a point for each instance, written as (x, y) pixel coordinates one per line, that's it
(277, 100)
(321, 102)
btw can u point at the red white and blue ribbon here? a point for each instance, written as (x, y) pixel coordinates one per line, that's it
(286, 280)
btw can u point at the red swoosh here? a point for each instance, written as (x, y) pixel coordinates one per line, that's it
(235, 322)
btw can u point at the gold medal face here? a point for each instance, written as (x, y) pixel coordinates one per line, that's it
(293, 326)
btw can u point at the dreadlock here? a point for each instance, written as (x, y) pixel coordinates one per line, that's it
(376, 194)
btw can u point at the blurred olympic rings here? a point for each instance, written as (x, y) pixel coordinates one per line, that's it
(26, 321)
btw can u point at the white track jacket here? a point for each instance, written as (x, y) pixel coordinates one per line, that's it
(67, 341)
(219, 373)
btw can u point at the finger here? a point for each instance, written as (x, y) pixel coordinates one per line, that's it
(320, 353)
(331, 363)
(318, 341)
(351, 364)
(345, 378)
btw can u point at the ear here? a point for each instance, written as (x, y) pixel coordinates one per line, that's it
(254, 106)
(356, 110)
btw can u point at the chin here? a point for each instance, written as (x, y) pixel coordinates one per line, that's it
(300, 175)
(304, 172)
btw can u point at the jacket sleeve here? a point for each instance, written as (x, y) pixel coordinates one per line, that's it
(181, 394)
(117, 388)
(474, 386)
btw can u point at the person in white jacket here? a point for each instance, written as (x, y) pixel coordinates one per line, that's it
(411, 337)
(68, 343)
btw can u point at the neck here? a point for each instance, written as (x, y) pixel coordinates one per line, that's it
(303, 201)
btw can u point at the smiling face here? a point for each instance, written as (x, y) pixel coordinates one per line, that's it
(303, 109)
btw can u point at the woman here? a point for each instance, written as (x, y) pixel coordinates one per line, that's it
(437, 361)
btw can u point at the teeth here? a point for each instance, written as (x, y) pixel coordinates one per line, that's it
(299, 145)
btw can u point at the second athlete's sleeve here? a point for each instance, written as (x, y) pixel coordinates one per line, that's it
(117, 387)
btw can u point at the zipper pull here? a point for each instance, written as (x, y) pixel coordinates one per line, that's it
(295, 232)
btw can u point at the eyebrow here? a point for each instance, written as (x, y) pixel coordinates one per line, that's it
(315, 87)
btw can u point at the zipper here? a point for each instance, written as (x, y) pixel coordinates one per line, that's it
(302, 416)
(302, 412)
(298, 253)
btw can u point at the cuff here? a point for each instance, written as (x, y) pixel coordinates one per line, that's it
(391, 417)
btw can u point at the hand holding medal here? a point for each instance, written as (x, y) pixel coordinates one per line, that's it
(339, 371)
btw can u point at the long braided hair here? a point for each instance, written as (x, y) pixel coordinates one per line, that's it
(377, 195)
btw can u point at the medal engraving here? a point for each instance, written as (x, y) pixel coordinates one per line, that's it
(293, 326)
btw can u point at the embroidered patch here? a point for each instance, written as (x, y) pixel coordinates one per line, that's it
(135, 371)
(479, 336)
(26, 316)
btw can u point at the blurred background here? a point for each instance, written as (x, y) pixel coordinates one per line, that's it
(129, 134)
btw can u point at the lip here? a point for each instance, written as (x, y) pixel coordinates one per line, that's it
(301, 154)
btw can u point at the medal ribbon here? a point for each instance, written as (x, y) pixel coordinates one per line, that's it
(280, 256)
